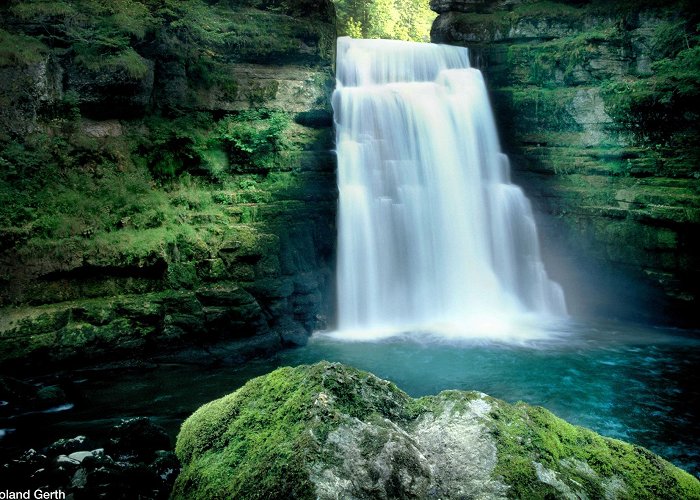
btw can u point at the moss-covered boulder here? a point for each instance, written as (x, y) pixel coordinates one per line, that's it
(332, 431)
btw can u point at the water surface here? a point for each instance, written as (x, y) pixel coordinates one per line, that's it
(635, 383)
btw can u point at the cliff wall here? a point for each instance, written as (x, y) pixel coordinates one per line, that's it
(167, 177)
(597, 106)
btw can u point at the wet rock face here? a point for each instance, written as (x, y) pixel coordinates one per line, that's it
(480, 6)
(240, 110)
(603, 136)
(24, 90)
(331, 431)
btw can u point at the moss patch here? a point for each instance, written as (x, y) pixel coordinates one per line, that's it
(583, 460)
(258, 442)
(19, 49)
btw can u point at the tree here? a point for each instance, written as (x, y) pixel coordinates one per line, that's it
(394, 19)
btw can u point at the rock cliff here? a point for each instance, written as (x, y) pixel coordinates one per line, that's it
(330, 431)
(597, 107)
(167, 176)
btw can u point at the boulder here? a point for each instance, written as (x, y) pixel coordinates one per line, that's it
(332, 431)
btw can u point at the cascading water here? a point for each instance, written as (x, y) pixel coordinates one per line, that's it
(432, 236)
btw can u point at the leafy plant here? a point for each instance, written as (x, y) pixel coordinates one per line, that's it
(656, 107)
(253, 139)
(176, 146)
(395, 19)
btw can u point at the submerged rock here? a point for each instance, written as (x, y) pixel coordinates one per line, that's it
(331, 431)
(17, 396)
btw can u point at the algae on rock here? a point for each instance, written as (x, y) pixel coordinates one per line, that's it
(332, 431)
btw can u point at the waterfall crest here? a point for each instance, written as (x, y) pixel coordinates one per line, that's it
(431, 232)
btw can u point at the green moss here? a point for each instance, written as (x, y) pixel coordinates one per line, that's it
(97, 197)
(255, 442)
(127, 60)
(554, 63)
(99, 34)
(658, 108)
(527, 435)
(654, 109)
(93, 329)
(19, 49)
(539, 109)
(254, 139)
(669, 38)
(268, 437)
(234, 442)
(547, 9)
(208, 35)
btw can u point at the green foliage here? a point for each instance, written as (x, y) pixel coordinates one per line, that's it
(127, 60)
(250, 38)
(254, 442)
(227, 442)
(668, 39)
(20, 49)
(263, 440)
(101, 34)
(196, 31)
(548, 8)
(244, 142)
(84, 196)
(554, 63)
(178, 145)
(393, 19)
(206, 37)
(655, 108)
(253, 139)
(352, 28)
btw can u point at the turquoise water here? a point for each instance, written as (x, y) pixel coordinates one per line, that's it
(629, 382)
(634, 383)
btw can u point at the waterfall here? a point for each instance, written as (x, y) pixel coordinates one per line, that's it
(432, 234)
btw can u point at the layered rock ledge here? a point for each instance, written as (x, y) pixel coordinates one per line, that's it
(167, 177)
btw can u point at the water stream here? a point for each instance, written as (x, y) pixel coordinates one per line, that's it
(631, 382)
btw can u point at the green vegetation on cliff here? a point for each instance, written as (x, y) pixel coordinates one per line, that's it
(150, 147)
(20, 49)
(99, 34)
(596, 103)
(660, 109)
(331, 431)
